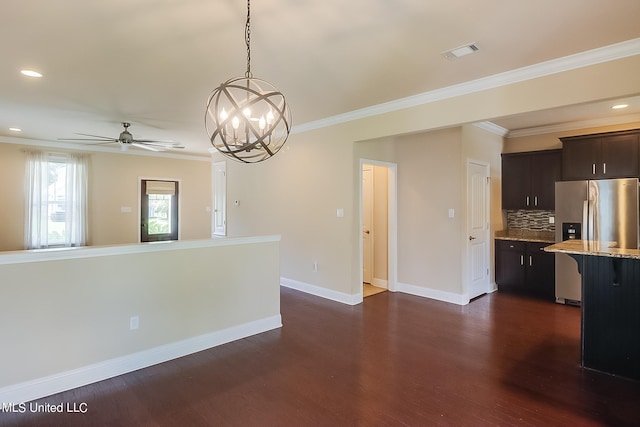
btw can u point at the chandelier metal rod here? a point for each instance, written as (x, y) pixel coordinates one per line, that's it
(247, 39)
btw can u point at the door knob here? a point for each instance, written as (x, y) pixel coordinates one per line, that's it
(472, 238)
(367, 231)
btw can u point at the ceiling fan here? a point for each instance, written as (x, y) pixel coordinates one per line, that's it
(126, 140)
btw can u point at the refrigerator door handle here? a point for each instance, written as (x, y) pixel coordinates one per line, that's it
(585, 220)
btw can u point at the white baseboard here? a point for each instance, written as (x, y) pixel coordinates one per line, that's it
(354, 299)
(42, 387)
(436, 294)
(380, 283)
(350, 299)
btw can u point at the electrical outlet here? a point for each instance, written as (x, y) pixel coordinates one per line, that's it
(134, 323)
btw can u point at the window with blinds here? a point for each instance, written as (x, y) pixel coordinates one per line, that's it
(159, 210)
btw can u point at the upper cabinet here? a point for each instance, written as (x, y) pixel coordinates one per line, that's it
(601, 156)
(528, 179)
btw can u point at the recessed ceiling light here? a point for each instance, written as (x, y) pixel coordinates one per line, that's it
(31, 73)
(15, 129)
(619, 106)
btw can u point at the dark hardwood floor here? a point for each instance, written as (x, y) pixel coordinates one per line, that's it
(394, 360)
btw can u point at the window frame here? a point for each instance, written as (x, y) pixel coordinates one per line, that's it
(143, 209)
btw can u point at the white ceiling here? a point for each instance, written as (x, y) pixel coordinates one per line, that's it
(155, 62)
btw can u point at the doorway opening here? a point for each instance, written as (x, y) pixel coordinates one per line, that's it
(378, 226)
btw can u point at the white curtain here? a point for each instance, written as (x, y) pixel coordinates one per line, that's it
(37, 211)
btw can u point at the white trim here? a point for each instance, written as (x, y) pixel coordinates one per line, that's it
(487, 236)
(583, 124)
(436, 294)
(222, 167)
(392, 218)
(493, 128)
(380, 283)
(39, 255)
(354, 299)
(41, 387)
(350, 299)
(554, 66)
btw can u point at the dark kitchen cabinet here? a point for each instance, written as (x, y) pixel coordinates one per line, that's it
(528, 179)
(610, 315)
(524, 268)
(601, 156)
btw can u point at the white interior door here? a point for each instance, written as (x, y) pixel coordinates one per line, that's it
(220, 199)
(367, 223)
(477, 229)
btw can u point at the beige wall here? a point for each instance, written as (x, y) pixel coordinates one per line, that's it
(73, 313)
(430, 182)
(297, 193)
(113, 184)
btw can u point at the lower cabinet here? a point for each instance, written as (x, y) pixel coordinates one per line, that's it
(610, 315)
(524, 268)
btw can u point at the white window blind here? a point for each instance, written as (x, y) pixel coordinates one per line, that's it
(161, 187)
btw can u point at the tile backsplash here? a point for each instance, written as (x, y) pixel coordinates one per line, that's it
(530, 220)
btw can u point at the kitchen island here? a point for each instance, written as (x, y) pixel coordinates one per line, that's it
(610, 336)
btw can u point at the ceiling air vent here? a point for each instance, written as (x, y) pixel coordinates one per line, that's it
(461, 51)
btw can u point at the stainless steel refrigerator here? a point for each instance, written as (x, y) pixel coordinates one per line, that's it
(606, 211)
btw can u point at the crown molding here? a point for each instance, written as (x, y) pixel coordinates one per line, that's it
(493, 128)
(583, 124)
(571, 62)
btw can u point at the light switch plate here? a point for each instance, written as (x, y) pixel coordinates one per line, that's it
(340, 213)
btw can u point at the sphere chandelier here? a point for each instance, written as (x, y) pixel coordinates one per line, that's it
(247, 119)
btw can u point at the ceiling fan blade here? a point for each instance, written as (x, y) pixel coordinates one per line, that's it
(95, 136)
(154, 141)
(96, 141)
(147, 147)
(162, 146)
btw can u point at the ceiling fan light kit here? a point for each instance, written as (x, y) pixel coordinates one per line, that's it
(247, 119)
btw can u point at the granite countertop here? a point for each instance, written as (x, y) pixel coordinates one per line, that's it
(591, 247)
(526, 235)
